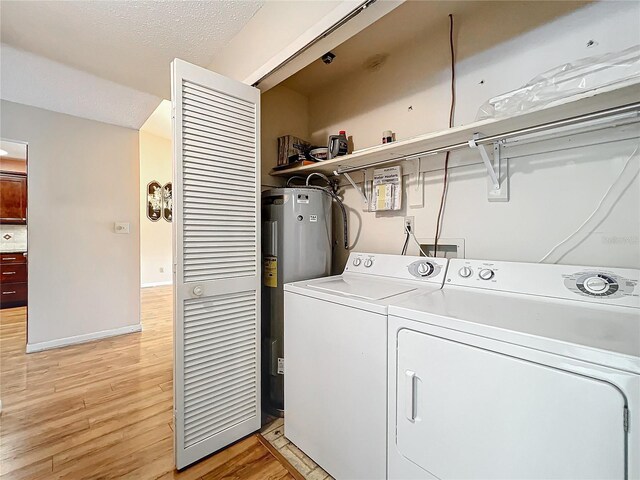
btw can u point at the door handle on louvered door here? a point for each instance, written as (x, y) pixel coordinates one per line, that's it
(198, 291)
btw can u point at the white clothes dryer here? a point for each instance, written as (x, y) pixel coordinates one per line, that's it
(517, 371)
(335, 344)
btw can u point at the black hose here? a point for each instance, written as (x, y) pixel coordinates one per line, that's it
(406, 244)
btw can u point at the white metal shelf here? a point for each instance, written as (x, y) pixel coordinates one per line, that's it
(594, 104)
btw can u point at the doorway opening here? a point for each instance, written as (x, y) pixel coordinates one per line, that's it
(13, 235)
(156, 198)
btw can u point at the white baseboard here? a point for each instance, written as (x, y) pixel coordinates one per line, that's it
(156, 284)
(87, 337)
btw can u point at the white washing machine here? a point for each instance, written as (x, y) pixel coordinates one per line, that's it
(335, 344)
(517, 371)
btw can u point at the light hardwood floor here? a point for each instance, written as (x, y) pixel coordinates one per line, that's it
(102, 410)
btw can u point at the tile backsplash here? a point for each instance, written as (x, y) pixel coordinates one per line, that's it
(13, 238)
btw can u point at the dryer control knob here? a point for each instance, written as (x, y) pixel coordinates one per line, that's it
(368, 262)
(486, 274)
(425, 269)
(465, 272)
(596, 284)
(357, 262)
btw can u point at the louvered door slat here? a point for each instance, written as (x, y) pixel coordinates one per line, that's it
(232, 220)
(227, 419)
(198, 407)
(217, 114)
(206, 97)
(207, 355)
(236, 183)
(230, 320)
(213, 172)
(223, 99)
(227, 141)
(214, 210)
(231, 155)
(201, 250)
(206, 396)
(216, 283)
(193, 119)
(228, 134)
(218, 303)
(221, 188)
(205, 158)
(196, 199)
(216, 108)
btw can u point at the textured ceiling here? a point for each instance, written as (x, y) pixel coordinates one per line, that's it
(128, 42)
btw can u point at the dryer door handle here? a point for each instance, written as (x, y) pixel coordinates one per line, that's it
(410, 395)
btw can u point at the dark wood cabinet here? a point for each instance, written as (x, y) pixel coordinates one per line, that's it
(13, 198)
(13, 280)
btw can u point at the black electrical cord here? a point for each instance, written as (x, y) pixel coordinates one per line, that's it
(406, 243)
(446, 157)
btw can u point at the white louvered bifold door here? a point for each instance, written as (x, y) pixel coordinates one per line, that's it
(216, 222)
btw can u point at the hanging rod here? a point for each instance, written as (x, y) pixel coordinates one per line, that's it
(356, 11)
(633, 107)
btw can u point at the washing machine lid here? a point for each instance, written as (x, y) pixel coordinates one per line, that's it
(608, 336)
(365, 292)
(358, 287)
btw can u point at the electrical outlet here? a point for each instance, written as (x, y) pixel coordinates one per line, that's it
(161, 269)
(408, 224)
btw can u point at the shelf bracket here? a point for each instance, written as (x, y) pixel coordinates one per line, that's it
(365, 200)
(498, 188)
(487, 161)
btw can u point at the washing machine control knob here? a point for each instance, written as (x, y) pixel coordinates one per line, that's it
(465, 272)
(486, 274)
(425, 269)
(368, 262)
(357, 262)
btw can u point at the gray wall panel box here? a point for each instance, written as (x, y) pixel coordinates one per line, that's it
(296, 245)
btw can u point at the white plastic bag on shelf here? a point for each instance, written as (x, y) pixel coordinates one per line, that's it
(564, 81)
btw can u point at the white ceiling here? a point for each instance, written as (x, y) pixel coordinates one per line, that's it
(127, 42)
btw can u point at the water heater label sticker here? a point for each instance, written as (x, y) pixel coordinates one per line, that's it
(270, 272)
(280, 366)
(313, 218)
(303, 199)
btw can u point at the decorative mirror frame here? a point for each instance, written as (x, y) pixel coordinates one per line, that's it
(167, 202)
(154, 201)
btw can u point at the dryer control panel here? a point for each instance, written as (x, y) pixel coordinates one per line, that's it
(596, 283)
(398, 266)
(613, 286)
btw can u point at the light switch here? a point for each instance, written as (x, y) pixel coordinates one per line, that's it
(121, 227)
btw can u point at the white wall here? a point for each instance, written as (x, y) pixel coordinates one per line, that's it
(156, 161)
(551, 193)
(83, 176)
